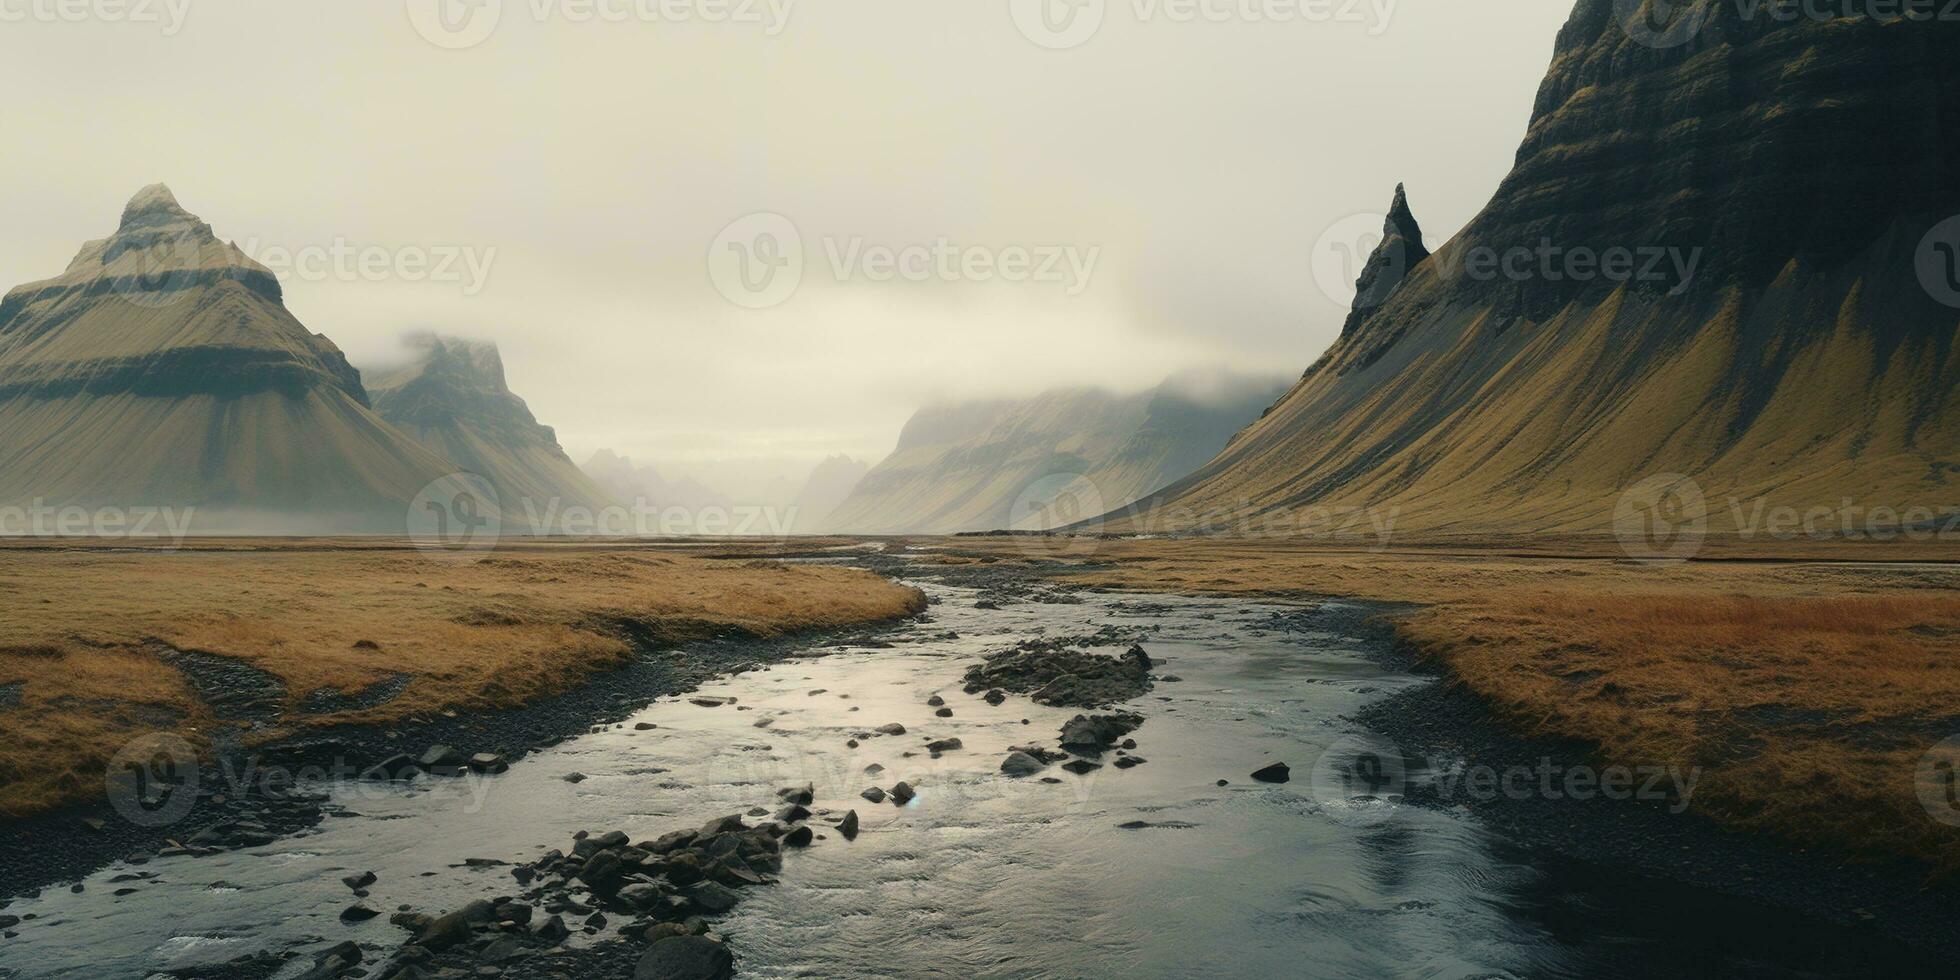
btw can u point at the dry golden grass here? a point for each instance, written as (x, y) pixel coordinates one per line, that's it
(1808, 692)
(86, 629)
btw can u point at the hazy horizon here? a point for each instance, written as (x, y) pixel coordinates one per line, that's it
(1188, 169)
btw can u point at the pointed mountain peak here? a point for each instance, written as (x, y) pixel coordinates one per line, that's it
(1402, 221)
(153, 205)
(1400, 251)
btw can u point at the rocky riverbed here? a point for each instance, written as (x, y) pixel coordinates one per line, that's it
(860, 806)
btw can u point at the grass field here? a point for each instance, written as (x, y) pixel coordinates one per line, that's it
(1809, 692)
(87, 634)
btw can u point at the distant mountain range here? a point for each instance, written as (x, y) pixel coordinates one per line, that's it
(162, 369)
(690, 506)
(1728, 252)
(453, 399)
(1034, 464)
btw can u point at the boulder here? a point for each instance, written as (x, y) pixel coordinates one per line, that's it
(686, 958)
(1021, 764)
(713, 897)
(441, 757)
(489, 762)
(1278, 772)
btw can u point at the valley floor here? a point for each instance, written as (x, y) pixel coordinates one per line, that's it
(1811, 687)
(245, 642)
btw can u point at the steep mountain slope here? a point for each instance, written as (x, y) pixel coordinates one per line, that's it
(1004, 464)
(453, 399)
(829, 485)
(1729, 258)
(162, 369)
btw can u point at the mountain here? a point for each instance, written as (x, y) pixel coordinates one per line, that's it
(829, 485)
(1044, 462)
(1727, 251)
(452, 398)
(163, 369)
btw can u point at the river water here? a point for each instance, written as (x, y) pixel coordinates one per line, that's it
(1154, 871)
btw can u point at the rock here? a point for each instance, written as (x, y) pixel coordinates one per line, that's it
(874, 794)
(1136, 659)
(669, 843)
(663, 930)
(1129, 762)
(1021, 764)
(441, 757)
(805, 794)
(686, 958)
(944, 713)
(554, 930)
(892, 729)
(996, 696)
(794, 813)
(489, 762)
(1224, 782)
(453, 929)
(707, 702)
(713, 897)
(357, 912)
(1051, 673)
(603, 873)
(1094, 733)
(645, 726)
(935, 702)
(334, 962)
(1081, 767)
(1275, 773)
(642, 895)
(722, 825)
(849, 825)
(903, 793)
(502, 950)
(360, 881)
(800, 836)
(575, 777)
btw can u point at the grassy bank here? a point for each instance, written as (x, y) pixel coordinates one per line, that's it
(1808, 692)
(87, 644)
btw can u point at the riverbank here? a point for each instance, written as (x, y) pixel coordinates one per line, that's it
(1805, 696)
(272, 660)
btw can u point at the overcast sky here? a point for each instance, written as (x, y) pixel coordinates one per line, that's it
(1153, 186)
